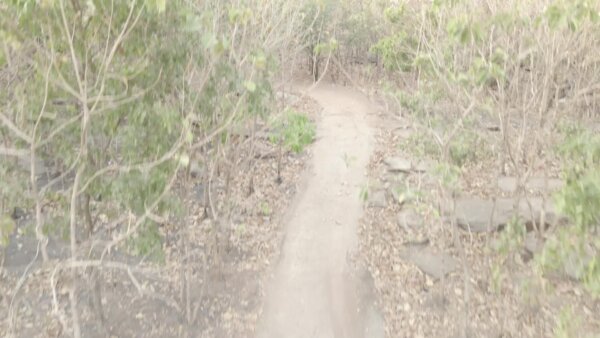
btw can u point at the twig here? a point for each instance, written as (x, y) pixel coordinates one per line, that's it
(11, 312)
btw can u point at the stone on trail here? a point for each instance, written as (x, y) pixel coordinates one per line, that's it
(436, 265)
(409, 219)
(398, 164)
(377, 199)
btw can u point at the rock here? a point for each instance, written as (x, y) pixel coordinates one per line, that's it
(18, 213)
(199, 192)
(475, 214)
(398, 194)
(538, 183)
(436, 265)
(408, 219)
(436, 301)
(377, 199)
(398, 164)
(531, 210)
(195, 169)
(509, 184)
(423, 166)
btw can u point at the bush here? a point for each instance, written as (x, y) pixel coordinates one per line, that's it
(484, 59)
(295, 131)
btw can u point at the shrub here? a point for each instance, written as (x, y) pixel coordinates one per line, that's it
(295, 131)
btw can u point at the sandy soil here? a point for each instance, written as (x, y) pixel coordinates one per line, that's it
(316, 290)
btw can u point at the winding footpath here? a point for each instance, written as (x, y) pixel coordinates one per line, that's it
(314, 291)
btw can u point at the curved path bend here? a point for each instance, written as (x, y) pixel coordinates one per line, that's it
(314, 291)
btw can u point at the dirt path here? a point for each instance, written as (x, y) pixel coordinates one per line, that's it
(314, 291)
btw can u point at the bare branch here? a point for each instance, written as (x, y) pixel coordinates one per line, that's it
(18, 132)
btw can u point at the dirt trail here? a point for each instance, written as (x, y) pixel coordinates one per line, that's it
(314, 291)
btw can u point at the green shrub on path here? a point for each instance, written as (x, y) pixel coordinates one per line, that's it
(294, 130)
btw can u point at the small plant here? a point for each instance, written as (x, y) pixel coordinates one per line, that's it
(577, 246)
(448, 176)
(295, 131)
(147, 243)
(421, 145)
(513, 236)
(398, 50)
(265, 209)
(465, 148)
(496, 278)
(7, 226)
(364, 193)
(566, 326)
(57, 227)
(405, 194)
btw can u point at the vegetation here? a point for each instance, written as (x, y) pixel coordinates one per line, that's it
(105, 105)
(109, 108)
(480, 61)
(295, 132)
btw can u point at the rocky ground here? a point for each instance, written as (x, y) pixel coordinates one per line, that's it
(438, 261)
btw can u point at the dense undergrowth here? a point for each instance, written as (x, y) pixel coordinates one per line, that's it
(532, 68)
(529, 65)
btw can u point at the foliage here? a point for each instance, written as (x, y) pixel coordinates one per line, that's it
(363, 194)
(7, 226)
(578, 246)
(466, 147)
(479, 58)
(265, 209)
(448, 176)
(566, 324)
(294, 130)
(399, 49)
(512, 236)
(123, 92)
(147, 243)
(405, 194)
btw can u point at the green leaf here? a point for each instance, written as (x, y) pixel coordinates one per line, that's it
(250, 86)
(161, 5)
(7, 226)
(184, 159)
